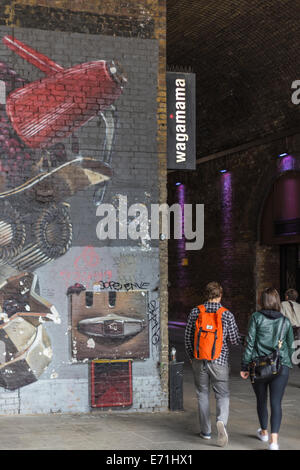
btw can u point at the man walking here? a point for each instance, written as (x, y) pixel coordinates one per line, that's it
(291, 309)
(209, 330)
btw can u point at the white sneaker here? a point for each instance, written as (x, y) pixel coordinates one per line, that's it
(273, 446)
(205, 436)
(262, 437)
(222, 434)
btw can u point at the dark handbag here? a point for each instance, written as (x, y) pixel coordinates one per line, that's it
(266, 367)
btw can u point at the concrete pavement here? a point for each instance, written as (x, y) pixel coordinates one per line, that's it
(155, 431)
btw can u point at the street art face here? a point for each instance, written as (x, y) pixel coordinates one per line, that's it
(37, 173)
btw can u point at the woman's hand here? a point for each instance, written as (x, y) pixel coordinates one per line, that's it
(244, 375)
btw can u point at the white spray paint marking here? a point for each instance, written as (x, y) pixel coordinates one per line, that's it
(48, 352)
(2, 92)
(90, 343)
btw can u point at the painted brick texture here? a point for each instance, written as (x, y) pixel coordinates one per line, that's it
(128, 135)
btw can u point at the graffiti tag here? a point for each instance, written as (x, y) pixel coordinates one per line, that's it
(153, 316)
(116, 286)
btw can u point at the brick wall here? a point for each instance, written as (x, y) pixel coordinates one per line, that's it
(232, 252)
(70, 33)
(245, 59)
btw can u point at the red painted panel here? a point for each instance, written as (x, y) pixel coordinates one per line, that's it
(111, 384)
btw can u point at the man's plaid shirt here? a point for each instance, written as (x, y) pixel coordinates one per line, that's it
(230, 332)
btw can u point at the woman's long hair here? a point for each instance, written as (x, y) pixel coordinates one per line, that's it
(270, 299)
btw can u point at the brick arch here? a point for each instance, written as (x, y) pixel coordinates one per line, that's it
(254, 208)
(270, 184)
(267, 257)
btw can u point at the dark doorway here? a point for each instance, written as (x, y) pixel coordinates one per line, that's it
(289, 268)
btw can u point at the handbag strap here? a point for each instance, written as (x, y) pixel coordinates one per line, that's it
(281, 334)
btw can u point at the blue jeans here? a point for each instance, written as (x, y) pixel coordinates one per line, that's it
(277, 387)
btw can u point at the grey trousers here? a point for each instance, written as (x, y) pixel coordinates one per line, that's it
(206, 374)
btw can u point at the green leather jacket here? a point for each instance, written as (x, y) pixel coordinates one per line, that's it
(263, 335)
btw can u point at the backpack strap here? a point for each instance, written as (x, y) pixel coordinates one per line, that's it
(201, 308)
(219, 314)
(221, 310)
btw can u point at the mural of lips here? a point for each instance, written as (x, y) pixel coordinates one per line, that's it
(111, 326)
(108, 324)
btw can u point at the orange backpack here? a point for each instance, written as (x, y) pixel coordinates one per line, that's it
(208, 340)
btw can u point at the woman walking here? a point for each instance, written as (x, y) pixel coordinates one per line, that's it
(269, 330)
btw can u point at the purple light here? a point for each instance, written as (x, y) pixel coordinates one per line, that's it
(223, 171)
(286, 163)
(181, 200)
(177, 184)
(182, 273)
(227, 243)
(227, 198)
(283, 155)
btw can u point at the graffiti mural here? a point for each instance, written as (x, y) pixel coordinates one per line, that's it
(108, 324)
(37, 177)
(28, 349)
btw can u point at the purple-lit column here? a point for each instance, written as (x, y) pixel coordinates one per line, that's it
(286, 189)
(182, 281)
(181, 251)
(227, 249)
